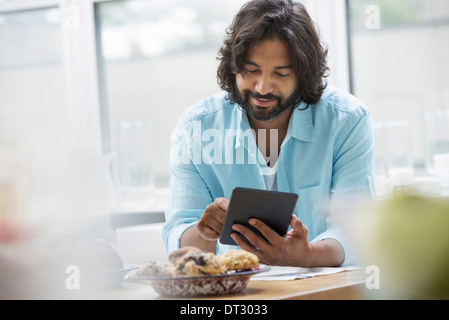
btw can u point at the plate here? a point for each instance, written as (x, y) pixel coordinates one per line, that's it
(109, 278)
(207, 285)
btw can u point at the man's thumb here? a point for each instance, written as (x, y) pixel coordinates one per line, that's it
(222, 203)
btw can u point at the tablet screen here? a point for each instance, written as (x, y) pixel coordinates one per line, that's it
(271, 207)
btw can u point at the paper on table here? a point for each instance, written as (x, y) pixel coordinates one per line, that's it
(293, 273)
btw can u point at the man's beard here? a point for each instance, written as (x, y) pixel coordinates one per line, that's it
(265, 113)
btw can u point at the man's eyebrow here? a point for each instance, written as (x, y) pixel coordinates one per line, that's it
(277, 68)
(284, 67)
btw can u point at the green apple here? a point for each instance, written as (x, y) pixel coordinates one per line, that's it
(409, 240)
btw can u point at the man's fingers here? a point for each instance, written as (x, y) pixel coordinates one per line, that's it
(207, 233)
(210, 226)
(222, 203)
(214, 211)
(295, 223)
(271, 235)
(244, 245)
(299, 229)
(252, 237)
(212, 220)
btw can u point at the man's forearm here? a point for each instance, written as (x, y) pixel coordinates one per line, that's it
(192, 238)
(327, 253)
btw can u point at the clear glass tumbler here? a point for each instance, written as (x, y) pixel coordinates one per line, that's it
(398, 140)
(436, 134)
(135, 161)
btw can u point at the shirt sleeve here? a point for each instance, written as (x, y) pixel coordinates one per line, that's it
(189, 195)
(352, 179)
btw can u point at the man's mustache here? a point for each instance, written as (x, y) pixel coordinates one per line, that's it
(257, 95)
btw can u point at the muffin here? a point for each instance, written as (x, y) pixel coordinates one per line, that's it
(194, 264)
(156, 269)
(176, 254)
(238, 260)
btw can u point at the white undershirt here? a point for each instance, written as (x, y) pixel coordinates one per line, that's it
(270, 176)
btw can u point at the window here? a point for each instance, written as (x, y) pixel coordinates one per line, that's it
(40, 31)
(159, 58)
(71, 70)
(32, 93)
(399, 53)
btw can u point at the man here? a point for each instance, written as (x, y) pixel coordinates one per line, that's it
(276, 126)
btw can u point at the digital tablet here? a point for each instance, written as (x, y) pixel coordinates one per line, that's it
(273, 208)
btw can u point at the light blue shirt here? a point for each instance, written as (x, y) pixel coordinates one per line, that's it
(328, 153)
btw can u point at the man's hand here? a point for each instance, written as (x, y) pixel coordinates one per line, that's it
(293, 249)
(212, 220)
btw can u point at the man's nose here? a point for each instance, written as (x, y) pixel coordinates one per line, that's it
(263, 85)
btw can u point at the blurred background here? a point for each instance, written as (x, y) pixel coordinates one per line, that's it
(80, 79)
(70, 71)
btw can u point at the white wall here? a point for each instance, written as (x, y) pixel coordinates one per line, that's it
(399, 73)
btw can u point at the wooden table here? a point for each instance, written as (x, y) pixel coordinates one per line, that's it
(346, 285)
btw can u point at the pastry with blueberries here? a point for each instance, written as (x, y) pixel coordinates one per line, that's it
(194, 264)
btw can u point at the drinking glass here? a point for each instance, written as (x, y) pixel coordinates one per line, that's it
(381, 180)
(135, 161)
(436, 134)
(398, 142)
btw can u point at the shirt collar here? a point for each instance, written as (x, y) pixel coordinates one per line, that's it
(300, 126)
(242, 124)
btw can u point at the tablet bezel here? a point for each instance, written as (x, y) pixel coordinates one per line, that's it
(271, 207)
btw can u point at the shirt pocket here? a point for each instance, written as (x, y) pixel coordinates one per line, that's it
(312, 208)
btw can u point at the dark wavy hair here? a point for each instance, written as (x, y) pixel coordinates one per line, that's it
(290, 22)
